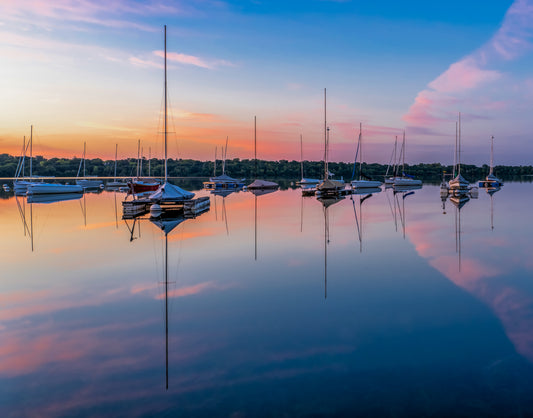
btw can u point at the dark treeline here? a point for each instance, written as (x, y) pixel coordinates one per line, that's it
(248, 169)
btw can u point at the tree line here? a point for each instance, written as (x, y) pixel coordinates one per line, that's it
(247, 169)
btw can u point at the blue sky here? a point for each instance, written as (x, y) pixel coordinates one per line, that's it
(92, 70)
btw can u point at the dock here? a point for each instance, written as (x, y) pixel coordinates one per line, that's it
(138, 207)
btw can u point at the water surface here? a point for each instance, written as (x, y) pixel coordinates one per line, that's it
(278, 304)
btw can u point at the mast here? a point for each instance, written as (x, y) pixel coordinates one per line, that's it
(325, 140)
(31, 150)
(455, 154)
(138, 156)
(224, 153)
(403, 154)
(491, 155)
(459, 148)
(84, 151)
(215, 163)
(149, 161)
(165, 103)
(255, 145)
(396, 160)
(116, 150)
(360, 151)
(301, 157)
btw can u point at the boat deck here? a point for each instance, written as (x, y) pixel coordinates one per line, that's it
(138, 207)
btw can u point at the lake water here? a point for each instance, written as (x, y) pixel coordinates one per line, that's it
(276, 305)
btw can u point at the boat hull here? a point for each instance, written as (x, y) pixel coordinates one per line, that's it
(90, 184)
(365, 184)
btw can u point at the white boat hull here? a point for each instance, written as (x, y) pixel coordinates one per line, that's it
(405, 181)
(365, 184)
(90, 184)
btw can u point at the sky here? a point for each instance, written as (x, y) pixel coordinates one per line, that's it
(92, 71)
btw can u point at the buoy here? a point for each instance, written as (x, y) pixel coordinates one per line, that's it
(155, 210)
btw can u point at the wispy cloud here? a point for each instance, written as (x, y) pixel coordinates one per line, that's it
(194, 60)
(512, 40)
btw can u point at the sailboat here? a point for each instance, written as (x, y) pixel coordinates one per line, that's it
(367, 182)
(260, 184)
(20, 187)
(405, 179)
(138, 184)
(328, 186)
(458, 184)
(223, 181)
(115, 183)
(168, 192)
(389, 181)
(85, 182)
(491, 180)
(305, 182)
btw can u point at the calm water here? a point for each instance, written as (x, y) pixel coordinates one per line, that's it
(278, 305)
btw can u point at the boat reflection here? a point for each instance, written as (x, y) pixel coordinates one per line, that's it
(327, 202)
(359, 218)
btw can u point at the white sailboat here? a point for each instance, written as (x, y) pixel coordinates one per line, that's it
(260, 184)
(458, 183)
(87, 183)
(168, 192)
(405, 179)
(389, 181)
(115, 183)
(328, 186)
(491, 181)
(305, 182)
(20, 187)
(223, 181)
(362, 183)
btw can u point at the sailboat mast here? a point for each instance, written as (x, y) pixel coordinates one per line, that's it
(491, 154)
(84, 152)
(115, 173)
(403, 154)
(459, 148)
(31, 150)
(360, 150)
(325, 140)
(149, 161)
(165, 103)
(455, 153)
(255, 144)
(215, 163)
(224, 153)
(138, 156)
(301, 157)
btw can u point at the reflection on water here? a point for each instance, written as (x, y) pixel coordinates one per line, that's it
(430, 321)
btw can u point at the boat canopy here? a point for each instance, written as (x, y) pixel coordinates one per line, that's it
(170, 193)
(224, 178)
(263, 184)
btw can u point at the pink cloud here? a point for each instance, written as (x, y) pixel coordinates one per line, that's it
(433, 104)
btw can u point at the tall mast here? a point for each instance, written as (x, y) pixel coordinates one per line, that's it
(491, 154)
(325, 140)
(165, 103)
(360, 150)
(149, 161)
(224, 153)
(255, 145)
(31, 150)
(459, 149)
(84, 152)
(215, 164)
(455, 154)
(301, 157)
(138, 156)
(403, 154)
(116, 149)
